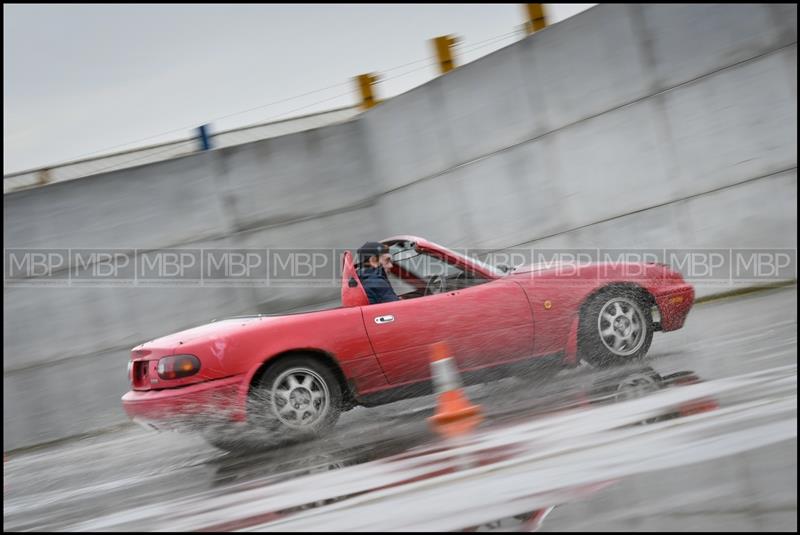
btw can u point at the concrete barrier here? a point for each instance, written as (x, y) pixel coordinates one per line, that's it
(625, 126)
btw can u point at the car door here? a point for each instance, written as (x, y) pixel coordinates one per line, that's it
(483, 325)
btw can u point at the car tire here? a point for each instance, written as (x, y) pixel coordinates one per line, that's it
(298, 397)
(616, 327)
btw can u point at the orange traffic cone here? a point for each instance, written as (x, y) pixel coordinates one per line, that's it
(454, 412)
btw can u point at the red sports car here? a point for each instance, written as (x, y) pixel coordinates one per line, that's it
(292, 375)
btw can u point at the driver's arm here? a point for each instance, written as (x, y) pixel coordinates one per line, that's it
(384, 292)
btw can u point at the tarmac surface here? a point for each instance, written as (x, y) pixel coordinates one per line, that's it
(701, 436)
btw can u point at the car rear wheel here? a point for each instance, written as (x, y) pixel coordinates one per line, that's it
(297, 397)
(616, 327)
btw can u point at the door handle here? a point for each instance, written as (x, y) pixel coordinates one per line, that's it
(384, 319)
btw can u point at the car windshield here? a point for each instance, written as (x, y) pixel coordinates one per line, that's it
(424, 266)
(406, 255)
(488, 267)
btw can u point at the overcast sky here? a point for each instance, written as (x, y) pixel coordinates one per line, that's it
(78, 79)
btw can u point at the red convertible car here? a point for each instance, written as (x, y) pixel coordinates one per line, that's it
(292, 375)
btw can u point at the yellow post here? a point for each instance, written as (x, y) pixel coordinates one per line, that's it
(536, 19)
(443, 47)
(365, 83)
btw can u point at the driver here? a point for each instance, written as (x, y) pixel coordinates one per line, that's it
(373, 260)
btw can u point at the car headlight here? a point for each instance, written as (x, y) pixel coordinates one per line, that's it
(178, 366)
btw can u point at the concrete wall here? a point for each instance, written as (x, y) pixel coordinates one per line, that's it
(167, 151)
(659, 126)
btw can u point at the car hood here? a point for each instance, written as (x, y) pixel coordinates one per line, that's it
(214, 330)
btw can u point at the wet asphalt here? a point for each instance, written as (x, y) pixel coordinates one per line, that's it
(138, 475)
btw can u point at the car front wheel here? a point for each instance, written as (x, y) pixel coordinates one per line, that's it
(297, 397)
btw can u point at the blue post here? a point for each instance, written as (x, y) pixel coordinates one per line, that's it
(205, 142)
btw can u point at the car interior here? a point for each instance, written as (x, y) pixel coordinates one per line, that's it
(414, 274)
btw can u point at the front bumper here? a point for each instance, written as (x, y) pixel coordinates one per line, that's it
(192, 406)
(674, 306)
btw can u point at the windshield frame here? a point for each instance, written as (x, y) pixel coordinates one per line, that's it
(462, 261)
